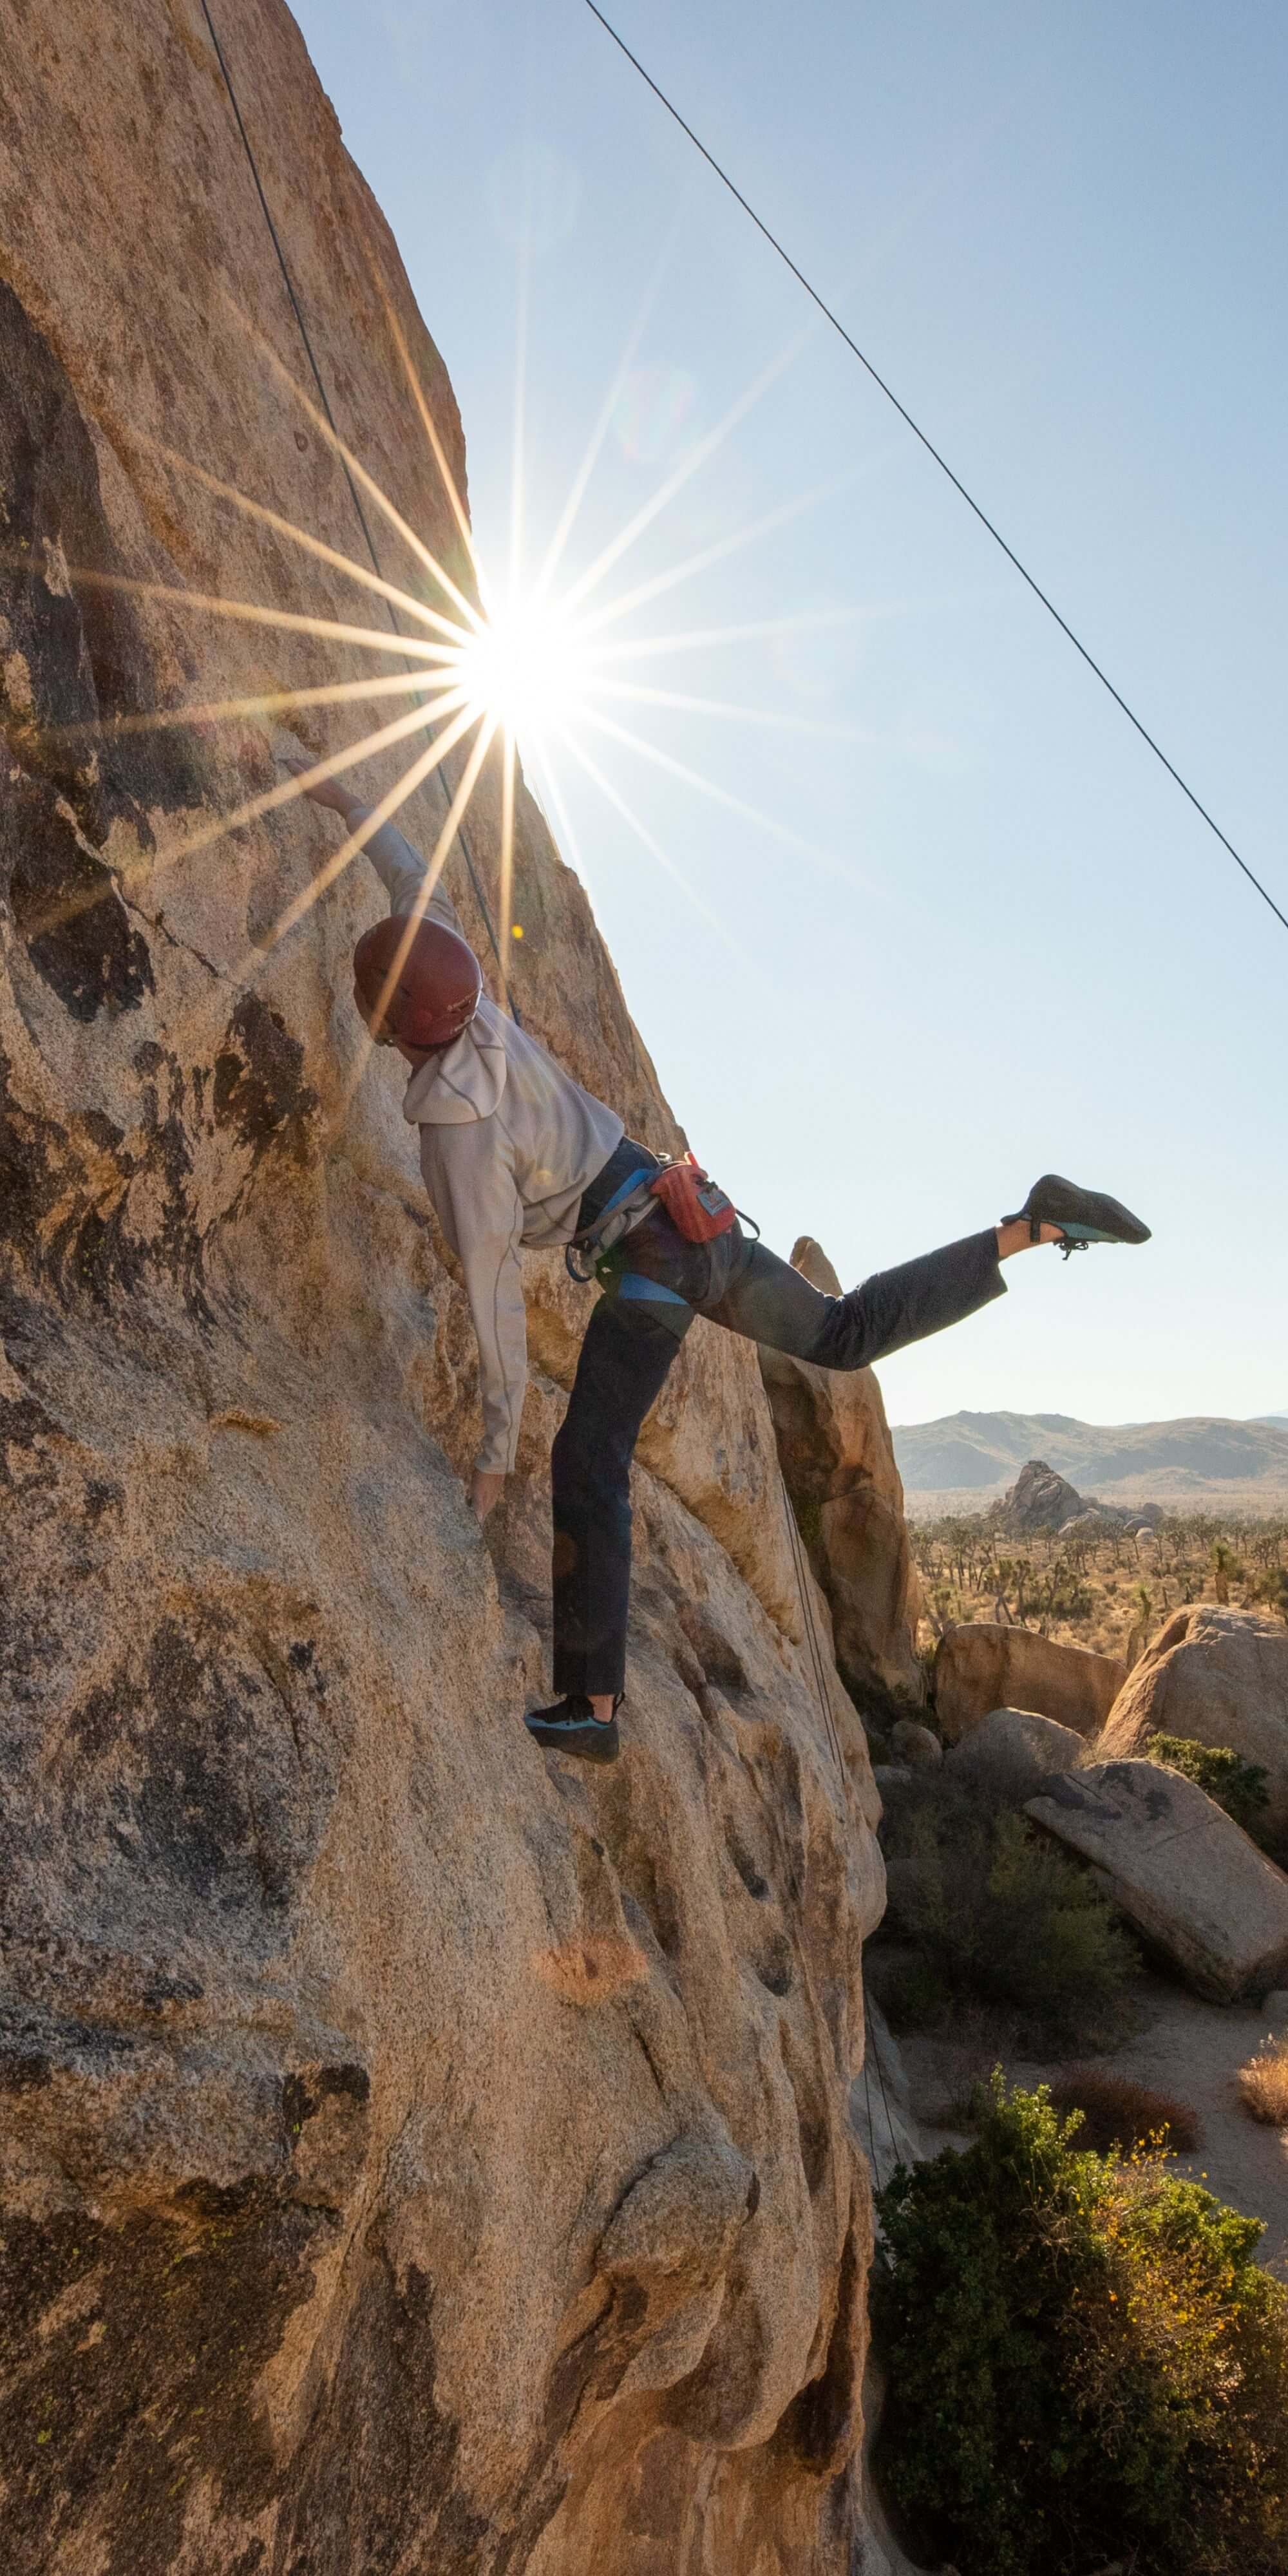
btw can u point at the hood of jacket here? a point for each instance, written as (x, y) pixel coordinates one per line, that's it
(464, 1083)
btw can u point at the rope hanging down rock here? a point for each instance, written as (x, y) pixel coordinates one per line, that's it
(354, 495)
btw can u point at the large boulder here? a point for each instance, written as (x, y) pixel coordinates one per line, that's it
(414, 2152)
(1219, 1676)
(1173, 1862)
(838, 1465)
(915, 1745)
(1011, 1750)
(979, 1667)
(1039, 1502)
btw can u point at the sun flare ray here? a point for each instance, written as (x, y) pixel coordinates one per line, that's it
(581, 479)
(689, 465)
(273, 702)
(505, 909)
(543, 663)
(517, 495)
(381, 813)
(720, 550)
(453, 819)
(427, 420)
(721, 796)
(289, 621)
(358, 470)
(284, 527)
(663, 857)
(286, 790)
(775, 719)
(695, 639)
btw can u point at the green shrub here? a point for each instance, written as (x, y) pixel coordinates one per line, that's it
(1000, 1917)
(1085, 2363)
(1236, 1785)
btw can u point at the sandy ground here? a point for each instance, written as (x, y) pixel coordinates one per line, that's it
(1186, 2047)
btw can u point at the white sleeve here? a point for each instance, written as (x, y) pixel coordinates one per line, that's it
(402, 872)
(470, 1178)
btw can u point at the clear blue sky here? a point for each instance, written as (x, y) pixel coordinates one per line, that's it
(999, 941)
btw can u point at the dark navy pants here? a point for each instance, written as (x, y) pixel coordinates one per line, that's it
(631, 1340)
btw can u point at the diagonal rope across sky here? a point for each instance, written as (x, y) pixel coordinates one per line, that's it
(941, 461)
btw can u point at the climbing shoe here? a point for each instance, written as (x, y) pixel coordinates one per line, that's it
(1083, 1216)
(572, 1727)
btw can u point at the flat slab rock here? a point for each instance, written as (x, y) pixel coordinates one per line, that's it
(1178, 1868)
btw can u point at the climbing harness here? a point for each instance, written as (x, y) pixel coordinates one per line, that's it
(695, 1204)
(628, 1207)
(363, 522)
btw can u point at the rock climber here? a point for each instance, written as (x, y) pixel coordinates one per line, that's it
(514, 1152)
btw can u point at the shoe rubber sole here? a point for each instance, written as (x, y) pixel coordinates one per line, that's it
(584, 1738)
(1085, 1216)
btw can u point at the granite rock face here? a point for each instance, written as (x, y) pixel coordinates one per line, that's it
(1220, 1677)
(839, 1468)
(1174, 1863)
(413, 2153)
(980, 1667)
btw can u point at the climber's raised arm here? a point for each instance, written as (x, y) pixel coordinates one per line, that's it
(401, 869)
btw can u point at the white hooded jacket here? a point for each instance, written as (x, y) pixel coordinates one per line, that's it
(508, 1142)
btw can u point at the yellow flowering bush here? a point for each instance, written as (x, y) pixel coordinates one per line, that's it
(1085, 2362)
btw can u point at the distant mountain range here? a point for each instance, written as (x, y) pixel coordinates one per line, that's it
(1200, 1460)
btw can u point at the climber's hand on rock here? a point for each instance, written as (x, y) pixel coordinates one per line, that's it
(486, 1488)
(330, 792)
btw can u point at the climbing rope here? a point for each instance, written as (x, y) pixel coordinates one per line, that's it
(941, 461)
(354, 494)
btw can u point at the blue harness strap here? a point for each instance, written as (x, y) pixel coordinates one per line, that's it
(632, 1183)
(673, 1311)
(649, 1291)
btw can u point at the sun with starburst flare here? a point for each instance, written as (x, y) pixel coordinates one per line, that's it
(536, 667)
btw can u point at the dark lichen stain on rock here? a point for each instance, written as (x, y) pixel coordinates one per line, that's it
(257, 1089)
(66, 907)
(76, 652)
(142, 2343)
(302, 2098)
(71, 1222)
(379, 2476)
(188, 1775)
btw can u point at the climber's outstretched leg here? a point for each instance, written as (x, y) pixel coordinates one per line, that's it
(769, 1302)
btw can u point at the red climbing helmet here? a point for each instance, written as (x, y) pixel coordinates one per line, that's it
(424, 997)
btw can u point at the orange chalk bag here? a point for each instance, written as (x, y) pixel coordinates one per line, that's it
(696, 1206)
